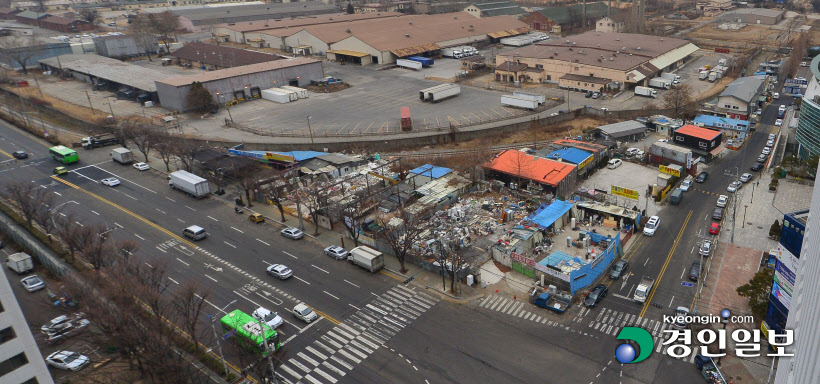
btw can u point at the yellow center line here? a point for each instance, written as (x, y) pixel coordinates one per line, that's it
(666, 264)
(161, 229)
(6, 153)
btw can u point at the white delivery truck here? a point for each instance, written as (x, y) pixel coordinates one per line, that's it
(122, 155)
(660, 82)
(541, 99)
(644, 91)
(189, 183)
(670, 76)
(703, 75)
(644, 287)
(20, 263)
(300, 92)
(367, 258)
(712, 76)
(451, 51)
(408, 64)
(275, 96)
(519, 102)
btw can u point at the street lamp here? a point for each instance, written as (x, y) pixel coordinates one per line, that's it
(746, 206)
(310, 130)
(218, 345)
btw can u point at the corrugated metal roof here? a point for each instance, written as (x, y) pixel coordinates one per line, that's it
(221, 55)
(237, 71)
(695, 131)
(673, 56)
(431, 171)
(404, 52)
(547, 215)
(537, 169)
(348, 53)
(744, 88)
(572, 155)
(110, 69)
(509, 32)
(623, 128)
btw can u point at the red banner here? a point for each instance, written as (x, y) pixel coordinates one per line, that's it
(522, 259)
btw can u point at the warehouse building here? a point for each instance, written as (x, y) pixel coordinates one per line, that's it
(755, 16)
(704, 142)
(125, 46)
(198, 19)
(40, 48)
(595, 61)
(624, 131)
(558, 19)
(240, 83)
(739, 99)
(536, 174)
(495, 8)
(211, 57)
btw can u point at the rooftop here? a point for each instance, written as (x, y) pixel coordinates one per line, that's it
(303, 21)
(744, 88)
(563, 15)
(695, 131)
(755, 11)
(234, 11)
(537, 169)
(588, 79)
(623, 128)
(109, 69)
(572, 155)
(61, 20)
(431, 171)
(721, 122)
(499, 8)
(221, 55)
(511, 67)
(237, 71)
(587, 146)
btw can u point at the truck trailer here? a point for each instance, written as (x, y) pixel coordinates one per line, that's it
(519, 102)
(541, 99)
(189, 183)
(276, 96)
(644, 288)
(645, 91)
(406, 123)
(408, 64)
(367, 258)
(20, 262)
(440, 92)
(425, 61)
(100, 141)
(293, 96)
(300, 92)
(122, 155)
(660, 82)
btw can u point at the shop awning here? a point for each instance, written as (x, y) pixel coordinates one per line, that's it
(349, 53)
(404, 52)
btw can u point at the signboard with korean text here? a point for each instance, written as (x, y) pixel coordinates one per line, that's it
(624, 192)
(585, 162)
(669, 170)
(279, 157)
(522, 259)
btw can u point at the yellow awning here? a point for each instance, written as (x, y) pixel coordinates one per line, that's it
(404, 52)
(349, 53)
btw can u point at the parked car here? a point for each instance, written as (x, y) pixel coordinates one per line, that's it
(618, 269)
(757, 167)
(766, 151)
(292, 233)
(714, 229)
(685, 185)
(20, 155)
(746, 177)
(722, 201)
(775, 96)
(632, 151)
(614, 163)
(734, 186)
(336, 252)
(663, 141)
(70, 361)
(778, 122)
(33, 283)
(595, 295)
(62, 322)
(596, 95)
(702, 177)
(705, 248)
(280, 271)
(142, 166)
(651, 226)
(270, 318)
(772, 136)
(588, 94)
(694, 271)
(717, 214)
(770, 143)
(304, 313)
(111, 182)
(762, 158)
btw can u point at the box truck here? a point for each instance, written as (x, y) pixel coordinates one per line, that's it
(408, 64)
(703, 75)
(644, 91)
(712, 76)
(670, 76)
(122, 155)
(300, 92)
(541, 99)
(660, 82)
(275, 96)
(367, 258)
(189, 183)
(20, 263)
(644, 287)
(519, 102)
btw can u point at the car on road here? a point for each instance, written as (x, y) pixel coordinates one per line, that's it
(766, 151)
(280, 271)
(746, 177)
(595, 295)
(292, 233)
(663, 141)
(111, 182)
(618, 269)
(195, 232)
(596, 95)
(717, 214)
(304, 313)
(33, 283)
(651, 226)
(757, 167)
(702, 177)
(60, 170)
(778, 122)
(70, 361)
(694, 271)
(632, 151)
(772, 136)
(270, 318)
(614, 163)
(20, 155)
(681, 314)
(142, 166)
(759, 111)
(770, 143)
(762, 158)
(714, 229)
(734, 186)
(640, 154)
(554, 114)
(705, 248)
(775, 96)
(722, 201)
(336, 252)
(685, 185)
(256, 218)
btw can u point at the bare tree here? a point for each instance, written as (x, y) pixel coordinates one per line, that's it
(679, 100)
(26, 197)
(90, 15)
(143, 32)
(143, 136)
(16, 49)
(314, 197)
(246, 176)
(349, 217)
(166, 149)
(165, 25)
(185, 151)
(45, 211)
(189, 300)
(278, 191)
(402, 236)
(520, 163)
(70, 233)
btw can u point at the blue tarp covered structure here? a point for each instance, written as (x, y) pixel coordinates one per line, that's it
(428, 169)
(298, 156)
(572, 155)
(547, 214)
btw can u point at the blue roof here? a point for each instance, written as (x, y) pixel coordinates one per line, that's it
(722, 122)
(558, 258)
(297, 155)
(427, 169)
(545, 215)
(570, 154)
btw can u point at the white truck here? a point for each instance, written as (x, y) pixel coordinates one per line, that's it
(519, 102)
(660, 82)
(367, 258)
(275, 96)
(645, 91)
(20, 262)
(122, 155)
(541, 99)
(455, 52)
(671, 77)
(441, 92)
(722, 62)
(712, 76)
(409, 64)
(189, 183)
(644, 287)
(702, 75)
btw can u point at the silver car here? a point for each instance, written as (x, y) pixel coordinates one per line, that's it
(292, 233)
(280, 271)
(33, 283)
(705, 248)
(336, 252)
(304, 313)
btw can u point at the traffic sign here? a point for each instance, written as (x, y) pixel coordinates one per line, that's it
(687, 284)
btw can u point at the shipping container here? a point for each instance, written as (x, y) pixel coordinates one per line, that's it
(451, 90)
(408, 64)
(406, 123)
(300, 92)
(541, 99)
(275, 96)
(519, 102)
(293, 96)
(667, 153)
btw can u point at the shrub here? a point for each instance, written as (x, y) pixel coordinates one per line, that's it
(774, 230)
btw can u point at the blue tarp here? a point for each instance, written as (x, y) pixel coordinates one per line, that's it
(722, 122)
(545, 215)
(425, 170)
(572, 155)
(297, 155)
(558, 258)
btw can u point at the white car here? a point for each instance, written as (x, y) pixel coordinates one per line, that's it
(632, 151)
(614, 163)
(705, 248)
(685, 185)
(663, 141)
(722, 201)
(70, 361)
(304, 313)
(734, 186)
(651, 226)
(778, 122)
(280, 271)
(142, 166)
(759, 111)
(746, 177)
(271, 319)
(775, 96)
(292, 233)
(772, 136)
(111, 182)
(336, 252)
(766, 151)
(770, 143)
(62, 322)
(33, 283)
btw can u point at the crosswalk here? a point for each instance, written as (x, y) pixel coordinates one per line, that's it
(343, 347)
(514, 308)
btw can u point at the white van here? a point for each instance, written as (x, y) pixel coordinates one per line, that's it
(195, 232)
(614, 163)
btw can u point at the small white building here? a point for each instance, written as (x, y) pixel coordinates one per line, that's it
(608, 25)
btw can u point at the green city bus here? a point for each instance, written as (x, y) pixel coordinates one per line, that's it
(64, 154)
(248, 332)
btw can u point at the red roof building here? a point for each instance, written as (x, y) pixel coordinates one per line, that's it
(552, 176)
(703, 141)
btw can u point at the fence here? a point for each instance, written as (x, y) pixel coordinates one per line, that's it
(587, 274)
(32, 245)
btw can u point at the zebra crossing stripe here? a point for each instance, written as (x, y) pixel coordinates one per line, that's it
(528, 316)
(416, 300)
(362, 347)
(538, 319)
(349, 356)
(404, 289)
(349, 329)
(343, 333)
(660, 344)
(600, 314)
(522, 313)
(366, 317)
(299, 365)
(517, 309)
(333, 369)
(312, 380)
(318, 354)
(497, 304)
(544, 321)
(322, 373)
(341, 362)
(337, 337)
(387, 303)
(513, 308)
(332, 342)
(615, 330)
(645, 319)
(390, 327)
(364, 340)
(325, 347)
(486, 301)
(286, 381)
(355, 324)
(291, 372)
(394, 296)
(597, 325)
(408, 313)
(307, 358)
(355, 351)
(372, 307)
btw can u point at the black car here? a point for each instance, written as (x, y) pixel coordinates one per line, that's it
(588, 95)
(702, 177)
(717, 214)
(595, 295)
(757, 167)
(694, 271)
(20, 155)
(618, 269)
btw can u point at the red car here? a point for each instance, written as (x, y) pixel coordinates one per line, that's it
(714, 229)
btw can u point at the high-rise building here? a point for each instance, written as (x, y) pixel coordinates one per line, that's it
(808, 126)
(20, 359)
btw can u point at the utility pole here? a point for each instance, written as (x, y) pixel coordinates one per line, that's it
(89, 102)
(299, 211)
(267, 348)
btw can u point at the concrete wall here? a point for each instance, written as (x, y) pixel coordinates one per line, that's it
(173, 97)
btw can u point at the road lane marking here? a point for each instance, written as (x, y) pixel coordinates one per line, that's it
(190, 208)
(290, 255)
(180, 260)
(319, 269)
(297, 278)
(160, 211)
(263, 242)
(139, 237)
(354, 307)
(352, 284)
(170, 199)
(229, 244)
(212, 218)
(328, 293)
(206, 275)
(235, 229)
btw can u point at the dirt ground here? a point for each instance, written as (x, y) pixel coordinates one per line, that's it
(749, 34)
(814, 34)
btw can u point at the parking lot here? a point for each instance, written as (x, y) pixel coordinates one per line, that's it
(631, 176)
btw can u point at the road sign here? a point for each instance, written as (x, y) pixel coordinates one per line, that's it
(687, 284)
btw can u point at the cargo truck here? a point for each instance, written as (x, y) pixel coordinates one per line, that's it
(644, 91)
(275, 96)
(122, 155)
(189, 183)
(670, 76)
(20, 263)
(406, 123)
(300, 92)
(442, 92)
(712, 76)
(519, 102)
(408, 64)
(541, 99)
(703, 75)
(644, 287)
(558, 302)
(100, 141)
(659, 82)
(425, 61)
(367, 258)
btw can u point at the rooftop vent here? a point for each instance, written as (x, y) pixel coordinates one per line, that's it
(599, 45)
(574, 43)
(266, 25)
(623, 48)
(567, 41)
(406, 35)
(411, 23)
(330, 18)
(611, 59)
(455, 17)
(471, 25)
(617, 39)
(348, 30)
(580, 51)
(639, 48)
